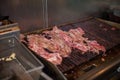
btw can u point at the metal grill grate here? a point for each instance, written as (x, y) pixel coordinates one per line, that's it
(94, 30)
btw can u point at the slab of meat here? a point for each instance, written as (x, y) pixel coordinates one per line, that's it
(65, 49)
(77, 34)
(74, 38)
(37, 44)
(59, 34)
(55, 44)
(41, 41)
(61, 39)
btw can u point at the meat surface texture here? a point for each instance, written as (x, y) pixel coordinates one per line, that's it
(55, 44)
(38, 43)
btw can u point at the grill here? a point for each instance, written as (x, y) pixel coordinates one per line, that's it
(95, 29)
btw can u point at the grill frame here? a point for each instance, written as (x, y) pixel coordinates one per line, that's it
(58, 69)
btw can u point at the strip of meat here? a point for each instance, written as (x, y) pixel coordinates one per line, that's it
(95, 47)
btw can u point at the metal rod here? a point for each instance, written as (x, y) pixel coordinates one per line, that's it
(45, 13)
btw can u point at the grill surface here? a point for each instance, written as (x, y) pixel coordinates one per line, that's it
(94, 30)
(105, 34)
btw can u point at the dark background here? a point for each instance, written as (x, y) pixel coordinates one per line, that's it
(29, 13)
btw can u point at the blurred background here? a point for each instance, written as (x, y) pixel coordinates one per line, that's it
(30, 14)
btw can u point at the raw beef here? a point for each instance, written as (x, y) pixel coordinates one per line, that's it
(55, 44)
(35, 44)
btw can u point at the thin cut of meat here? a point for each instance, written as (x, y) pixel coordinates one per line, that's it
(95, 47)
(64, 49)
(43, 42)
(59, 34)
(35, 45)
(55, 44)
(61, 39)
(83, 44)
(54, 58)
